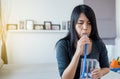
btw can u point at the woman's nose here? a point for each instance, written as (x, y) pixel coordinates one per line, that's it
(84, 27)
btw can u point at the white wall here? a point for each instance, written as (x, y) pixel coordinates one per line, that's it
(115, 51)
(0, 47)
(32, 47)
(117, 46)
(41, 10)
(36, 47)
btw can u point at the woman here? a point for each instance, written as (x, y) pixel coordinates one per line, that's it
(70, 49)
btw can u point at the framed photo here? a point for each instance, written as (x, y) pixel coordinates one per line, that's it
(48, 25)
(38, 27)
(68, 25)
(21, 25)
(11, 27)
(64, 25)
(29, 24)
(55, 26)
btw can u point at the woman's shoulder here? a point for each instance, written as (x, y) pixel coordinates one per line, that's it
(99, 44)
(62, 41)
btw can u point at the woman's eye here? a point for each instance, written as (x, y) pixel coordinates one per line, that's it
(79, 23)
(89, 22)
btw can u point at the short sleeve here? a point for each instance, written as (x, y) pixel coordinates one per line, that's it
(62, 56)
(104, 62)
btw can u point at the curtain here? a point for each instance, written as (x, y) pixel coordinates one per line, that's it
(3, 34)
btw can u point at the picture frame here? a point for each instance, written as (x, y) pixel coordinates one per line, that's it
(21, 25)
(48, 25)
(11, 27)
(55, 26)
(68, 25)
(38, 27)
(64, 25)
(29, 24)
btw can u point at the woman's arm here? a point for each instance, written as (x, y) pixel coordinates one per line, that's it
(104, 71)
(70, 71)
(98, 73)
(103, 61)
(67, 67)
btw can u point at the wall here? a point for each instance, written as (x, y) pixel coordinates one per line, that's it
(32, 47)
(41, 10)
(36, 47)
(117, 46)
(105, 16)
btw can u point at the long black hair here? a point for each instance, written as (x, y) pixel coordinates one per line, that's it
(72, 34)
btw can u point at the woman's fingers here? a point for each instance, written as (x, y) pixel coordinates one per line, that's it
(81, 44)
(96, 73)
(84, 40)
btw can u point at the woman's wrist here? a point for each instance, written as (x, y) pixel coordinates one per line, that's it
(78, 53)
(104, 71)
(101, 74)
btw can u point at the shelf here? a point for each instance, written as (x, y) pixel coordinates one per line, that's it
(37, 31)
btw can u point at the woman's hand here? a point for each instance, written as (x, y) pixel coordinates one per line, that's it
(96, 73)
(81, 43)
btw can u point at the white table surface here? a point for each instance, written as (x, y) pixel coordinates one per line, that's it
(38, 71)
(29, 71)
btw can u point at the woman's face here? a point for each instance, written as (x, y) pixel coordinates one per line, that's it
(83, 25)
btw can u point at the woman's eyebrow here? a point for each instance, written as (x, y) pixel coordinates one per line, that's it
(80, 20)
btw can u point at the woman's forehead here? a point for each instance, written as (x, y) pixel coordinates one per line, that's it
(83, 17)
